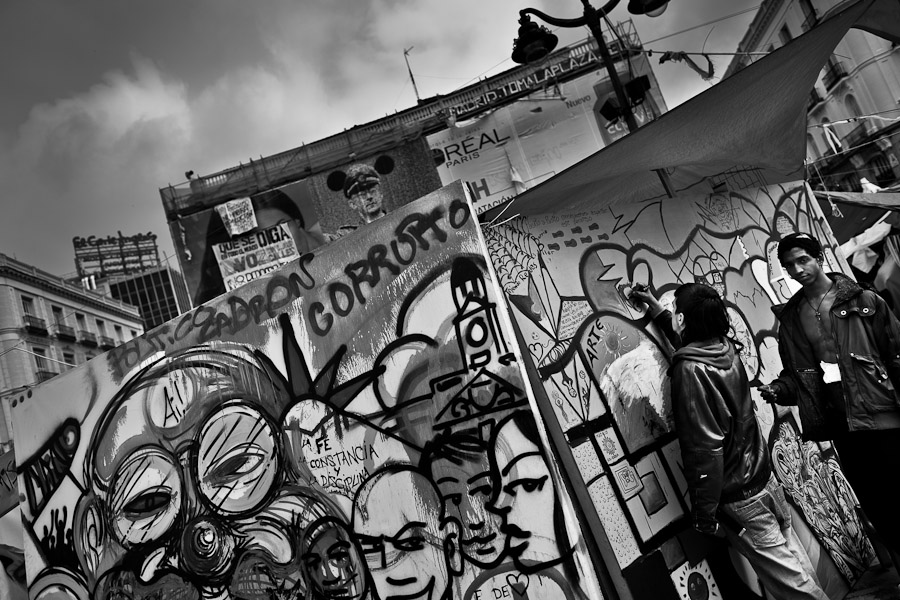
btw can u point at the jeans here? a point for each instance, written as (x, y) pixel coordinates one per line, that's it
(771, 546)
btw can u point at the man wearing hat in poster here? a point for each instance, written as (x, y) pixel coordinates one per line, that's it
(361, 185)
(363, 192)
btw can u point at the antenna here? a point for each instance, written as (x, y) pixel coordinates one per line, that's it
(411, 78)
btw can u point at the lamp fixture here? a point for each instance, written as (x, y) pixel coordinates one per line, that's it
(651, 8)
(534, 41)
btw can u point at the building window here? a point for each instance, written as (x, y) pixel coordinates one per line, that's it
(880, 169)
(101, 327)
(58, 316)
(40, 358)
(853, 107)
(28, 306)
(133, 334)
(81, 321)
(785, 35)
(69, 359)
(118, 330)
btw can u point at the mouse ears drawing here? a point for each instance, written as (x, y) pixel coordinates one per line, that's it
(360, 176)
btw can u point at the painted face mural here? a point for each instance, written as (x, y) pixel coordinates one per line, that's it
(323, 433)
(460, 465)
(525, 490)
(332, 562)
(196, 488)
(411, 551)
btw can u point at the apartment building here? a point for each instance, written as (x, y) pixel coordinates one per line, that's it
(48, 326)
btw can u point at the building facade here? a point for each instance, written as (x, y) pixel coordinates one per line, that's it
(853, 113)
(500, 136)
(48, 326)
(159, 293)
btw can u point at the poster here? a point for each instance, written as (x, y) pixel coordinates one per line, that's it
(252, 255)
(602, 363)
(353, 425)
(201, 236)
(502, 152)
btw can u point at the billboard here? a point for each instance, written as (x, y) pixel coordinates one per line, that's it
(502, 152)
(354, 425)
(221, 248)
(115, 255)
(218, 250)
(602, 368)
(364, 188)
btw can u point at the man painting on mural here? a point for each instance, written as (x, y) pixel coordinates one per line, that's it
(410, 546)
(840, 349)
(726, 462)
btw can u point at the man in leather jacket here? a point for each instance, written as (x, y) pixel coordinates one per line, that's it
(840, 350)
(726, 462)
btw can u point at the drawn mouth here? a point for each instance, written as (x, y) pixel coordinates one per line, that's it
(425, 593)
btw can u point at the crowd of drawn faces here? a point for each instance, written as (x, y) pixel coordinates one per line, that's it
(193, 487)
(603, 364)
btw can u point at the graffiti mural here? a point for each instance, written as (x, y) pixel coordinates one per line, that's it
(355, 425)
(602, 363)
(815, 484)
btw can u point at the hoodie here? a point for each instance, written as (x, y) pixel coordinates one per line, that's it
(724, 453)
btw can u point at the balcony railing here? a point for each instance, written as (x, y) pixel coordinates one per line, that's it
(86, 338)
(106, 342)
(64, 332)
(856, 135)
(811, 21)
(814, 99)
(834, 72)
(35, 324)
(45, 374)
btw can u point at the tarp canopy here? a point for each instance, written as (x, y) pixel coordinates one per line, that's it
(754, 121)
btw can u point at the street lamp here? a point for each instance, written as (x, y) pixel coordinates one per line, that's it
(536, 41)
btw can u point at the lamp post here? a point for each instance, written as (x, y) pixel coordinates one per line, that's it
(535, 41)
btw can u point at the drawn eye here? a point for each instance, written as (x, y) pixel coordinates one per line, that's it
(482, 490)
(148, 504)
(239, 462)
(410, 544)
(145, 497)
(527, 485)
(237, 458)
(312, 560)
(454, 498)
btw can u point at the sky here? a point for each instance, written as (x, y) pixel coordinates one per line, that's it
(106, 101)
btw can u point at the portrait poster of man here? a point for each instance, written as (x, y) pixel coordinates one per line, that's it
(367, 187)
(355, 424)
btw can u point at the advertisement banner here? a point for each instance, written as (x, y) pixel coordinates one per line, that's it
(318, 209)
(503, 152)
(250, 256)
(354, 425)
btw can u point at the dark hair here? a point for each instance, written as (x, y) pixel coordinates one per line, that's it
(458, 448)
(705, 315)
(804, 241)
(280, 201)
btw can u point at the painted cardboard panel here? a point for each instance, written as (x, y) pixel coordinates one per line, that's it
(353, 425)
(550, 263)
